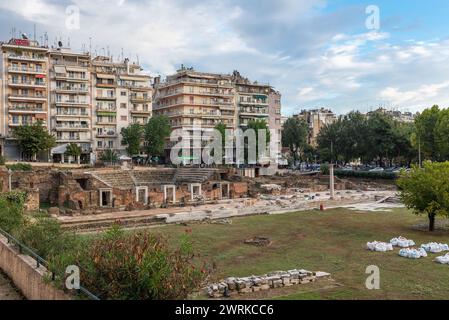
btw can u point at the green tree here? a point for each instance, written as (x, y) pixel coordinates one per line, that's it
(33, 139)
(426, 124)
(156, 131)
(132, 137)
(294, 136)
(257, 125)
(221, 127)
(109, 155)
(73, 150)
(380, 138)
(426, 191)
(441, 136)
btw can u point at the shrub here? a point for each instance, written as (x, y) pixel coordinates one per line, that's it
(20, 167)
(139, 266)
(11, 212)
(325, 169)
(45, 236)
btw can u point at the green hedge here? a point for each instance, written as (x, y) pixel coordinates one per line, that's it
(20, 167)
(366, 174)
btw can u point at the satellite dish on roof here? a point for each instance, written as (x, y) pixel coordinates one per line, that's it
(60, 44)
(24, 36)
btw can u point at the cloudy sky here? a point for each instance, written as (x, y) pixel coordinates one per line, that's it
(316, 52)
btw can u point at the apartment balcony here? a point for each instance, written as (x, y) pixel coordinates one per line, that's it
(26, 70)
(72, 90)
(199, 82)
(106, 123)
(71, 64)
(72, 139)
(70, 78)
(40, 58)
(254, 102)
(141, 99)
(137, 87)
(72, 114)
(25, 123)
(70, 103)
(140, 111)
(26, 97)
(106, 84)
(75, 127)
(109, 134)
(27, 84)
(108, 98)
(26, 110)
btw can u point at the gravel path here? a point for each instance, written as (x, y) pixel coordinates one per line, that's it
(7, 290)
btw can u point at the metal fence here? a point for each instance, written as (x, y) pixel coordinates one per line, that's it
(23, 249)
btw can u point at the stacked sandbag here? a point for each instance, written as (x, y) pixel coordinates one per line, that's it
(434, 247)
(402, 242)
(443, 259)
(379, 246)
(413, 253)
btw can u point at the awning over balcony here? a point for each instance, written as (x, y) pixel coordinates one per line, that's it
(106, 113)
(105, 76)
(60, 69)
(261, 97)
(59, 149)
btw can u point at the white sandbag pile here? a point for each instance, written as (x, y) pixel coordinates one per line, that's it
(413, 253)
(443, 259)
(402, 242)
(434, 247)
(379, 246)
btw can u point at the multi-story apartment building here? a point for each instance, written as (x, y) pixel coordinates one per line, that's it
(196, 101)
(316, 120)
(70, 100)
(199, 101)
(24, 99)
(251, 100)
(407, 117)
(121, 95)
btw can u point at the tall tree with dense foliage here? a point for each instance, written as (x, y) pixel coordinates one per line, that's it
(426, 191)
(426, 124)
(33, 139)
(109, 155)
(156, 131)
(294, 136)
(257, 125)
(73, 150)
(132, 137)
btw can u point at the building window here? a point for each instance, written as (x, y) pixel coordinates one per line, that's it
(123, 93)
(124, 118)
(99, 144)
(123, 105)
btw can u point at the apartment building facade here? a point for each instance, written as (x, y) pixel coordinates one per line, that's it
(316, 120)
(196, 100)
(24, 99)
(70, 101)
(122, 95)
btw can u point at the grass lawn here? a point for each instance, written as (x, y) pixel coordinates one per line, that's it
(333, 241)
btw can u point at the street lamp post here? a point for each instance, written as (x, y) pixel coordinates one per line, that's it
(331, 173)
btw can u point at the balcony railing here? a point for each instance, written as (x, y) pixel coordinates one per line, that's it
(26, 108)
(23, 95)
(73, 126)
(72, 89)
(68, 101)
(26, 57)
(28, 83)
(78, 114)
(26, 69)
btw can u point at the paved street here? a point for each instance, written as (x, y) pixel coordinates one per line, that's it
(7, 291)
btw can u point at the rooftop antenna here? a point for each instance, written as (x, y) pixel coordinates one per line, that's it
(34, 36)
(90, 45)
(46, 38)
(68, 42)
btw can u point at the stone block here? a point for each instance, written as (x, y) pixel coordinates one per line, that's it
(54, 211)
(277, 284)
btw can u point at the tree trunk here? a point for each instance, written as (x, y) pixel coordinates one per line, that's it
(431, 222)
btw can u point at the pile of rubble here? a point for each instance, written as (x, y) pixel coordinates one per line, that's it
(233, 286)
